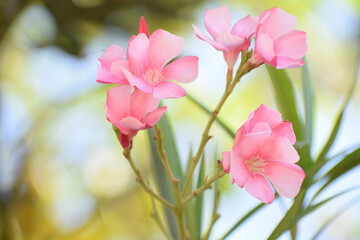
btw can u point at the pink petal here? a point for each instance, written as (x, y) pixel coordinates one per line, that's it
(226, 161)
(117, 103)
(183, 70)
(260, 188)
(232, 42)
(113, 53)
(276, 22)
(245, 27)
(217, 21)
(166, 89)
(264, 47)
(284, 62)
(139, 83)
(238, 171)
(152, 118)
(248, 145)
(142, 103)
(285, 177)
(234, 46)
(116, 69)
(285, 129)
(143, 28)
(291, 45)
(104, 76)
(206, 38)
(269, 147)
(131, 123)
(264, 114)
(138, 54)
(277, 148)
(164, 46)
(261, 127)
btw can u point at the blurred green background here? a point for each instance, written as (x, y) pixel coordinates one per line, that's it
(62, 174)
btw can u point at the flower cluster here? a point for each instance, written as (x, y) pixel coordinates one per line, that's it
(144, 67)
(276, 43)
(263, 149)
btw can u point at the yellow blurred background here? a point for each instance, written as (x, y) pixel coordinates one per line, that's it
(62, 174)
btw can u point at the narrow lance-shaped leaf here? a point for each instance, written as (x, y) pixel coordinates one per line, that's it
(338, 213)
(334, 133)
(293, 216)
(348, 163)
(283, 225)
(308, 96)
(190, 209)
(163, 183)
(199, 201)
(286, 100)
(171, 147)
(316, 206)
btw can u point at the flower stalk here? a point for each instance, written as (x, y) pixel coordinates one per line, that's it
(231, 83)
(141, 181)
(178, 209)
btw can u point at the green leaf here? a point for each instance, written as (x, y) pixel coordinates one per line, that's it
(286, 100)
(314, 207)
(296, 213)
(308, 104)
(224, 126)
(199, 201)
(190, 209)
(334, 217)
(321, 158)
(349, 162)
(243, 219)
(171, 148)
(283, 225)
(308, 96)
(163, 184)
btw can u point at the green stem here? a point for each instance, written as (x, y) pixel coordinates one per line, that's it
(206, 185)
(215, 215)
(141, 181)
(156, 216)
(243, 69)
(178, 210)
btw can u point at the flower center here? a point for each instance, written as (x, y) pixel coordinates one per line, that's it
(153, 76)
(256, 164)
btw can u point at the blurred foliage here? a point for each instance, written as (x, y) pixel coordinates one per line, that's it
(61, 171)
(72, 16)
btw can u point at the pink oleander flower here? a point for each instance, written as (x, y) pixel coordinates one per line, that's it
(146, 68)
(263, 157)
(131, 111)
(113, 56)
(266, 119)
(148, 71)
(231, 41)
(276, 41)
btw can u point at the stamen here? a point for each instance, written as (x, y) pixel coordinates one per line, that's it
(256, 164)
(153, 76)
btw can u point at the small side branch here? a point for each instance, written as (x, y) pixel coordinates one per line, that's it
(141, 181)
